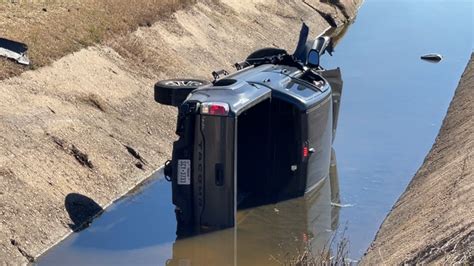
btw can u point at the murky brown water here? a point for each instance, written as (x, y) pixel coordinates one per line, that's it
(392, 107)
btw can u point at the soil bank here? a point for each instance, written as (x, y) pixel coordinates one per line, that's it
(86, 126)
(433, 221)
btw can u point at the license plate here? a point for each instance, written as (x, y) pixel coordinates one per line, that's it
(184, 172)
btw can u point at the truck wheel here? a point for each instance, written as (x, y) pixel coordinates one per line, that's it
(174, 91)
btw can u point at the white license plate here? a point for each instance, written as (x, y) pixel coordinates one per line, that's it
(184, 172)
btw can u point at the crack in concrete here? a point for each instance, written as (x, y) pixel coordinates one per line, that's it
(22, 251)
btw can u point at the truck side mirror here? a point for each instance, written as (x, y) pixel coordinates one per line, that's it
(321, 44)
(319, 47)
(313, 58)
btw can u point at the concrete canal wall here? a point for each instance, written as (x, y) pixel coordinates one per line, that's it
(79, 133)
(433, 221)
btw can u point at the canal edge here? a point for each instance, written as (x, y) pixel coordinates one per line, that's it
(411, 235)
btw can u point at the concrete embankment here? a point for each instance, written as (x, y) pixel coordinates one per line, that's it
(433, 221)
(79, 133)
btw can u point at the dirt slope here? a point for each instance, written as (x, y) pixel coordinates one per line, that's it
(53, 29)
(88, 124)
(433, 221)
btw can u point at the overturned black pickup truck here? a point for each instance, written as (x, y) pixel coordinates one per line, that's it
(256, 136)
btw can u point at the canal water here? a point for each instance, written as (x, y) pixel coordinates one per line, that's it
(392, 108)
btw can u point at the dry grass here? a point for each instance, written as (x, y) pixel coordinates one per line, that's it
(52, 29)
(335, 253)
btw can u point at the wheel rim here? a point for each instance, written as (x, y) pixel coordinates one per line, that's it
(184, 83)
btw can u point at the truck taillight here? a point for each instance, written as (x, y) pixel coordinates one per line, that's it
(213, 108)
(305, 151)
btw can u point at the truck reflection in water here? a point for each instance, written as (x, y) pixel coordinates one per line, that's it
(269, 234)
(140, 230)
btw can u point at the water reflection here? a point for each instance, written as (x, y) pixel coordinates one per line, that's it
(268, 234)
(141, 230)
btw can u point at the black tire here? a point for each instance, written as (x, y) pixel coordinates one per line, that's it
(174, 91)
(266, 52)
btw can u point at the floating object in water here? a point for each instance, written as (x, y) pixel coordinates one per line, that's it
(14, 50)
(351, 261)
(341, 205)
(432, 57)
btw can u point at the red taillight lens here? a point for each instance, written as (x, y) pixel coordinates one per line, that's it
(221, 109)
(305, 151)
(217, 110)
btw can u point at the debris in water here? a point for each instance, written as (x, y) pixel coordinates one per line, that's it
(341, 205)
(14, 50)
(432, 57)
(351, 261)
